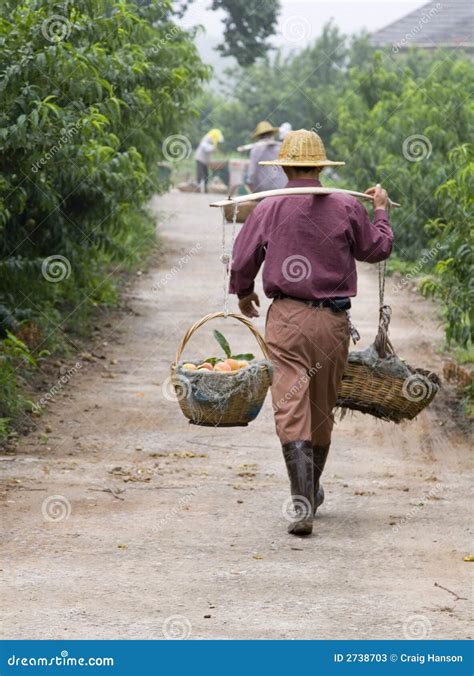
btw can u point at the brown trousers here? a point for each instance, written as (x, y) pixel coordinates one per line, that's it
(308, 347)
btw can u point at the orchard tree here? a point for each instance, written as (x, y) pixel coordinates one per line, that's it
(94, 93)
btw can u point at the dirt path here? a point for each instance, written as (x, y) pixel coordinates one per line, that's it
(168, 519)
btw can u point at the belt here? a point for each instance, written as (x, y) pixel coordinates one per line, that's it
(336, 304)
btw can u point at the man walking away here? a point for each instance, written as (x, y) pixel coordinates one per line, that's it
(308, 245)
(203, 154)
(267, 148)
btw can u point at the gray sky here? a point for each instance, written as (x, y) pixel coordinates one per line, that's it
(301, 21)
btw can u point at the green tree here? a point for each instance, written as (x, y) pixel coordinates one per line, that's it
(247, 26)
(397, 128)
(302, 88)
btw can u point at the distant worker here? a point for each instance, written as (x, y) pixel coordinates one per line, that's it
(284, 129)
(207, 146)
(267, 148)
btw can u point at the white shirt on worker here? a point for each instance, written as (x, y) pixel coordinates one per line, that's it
(205, 150)
(265, 178)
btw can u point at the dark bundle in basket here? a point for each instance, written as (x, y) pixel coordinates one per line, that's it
(221, 399)
(377, 382)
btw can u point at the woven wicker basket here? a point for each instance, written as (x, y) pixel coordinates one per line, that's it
(384, 396)
(378, 393)
(239, 409)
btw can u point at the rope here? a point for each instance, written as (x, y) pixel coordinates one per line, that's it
(382, 342)
(382, 268)
(226, 257)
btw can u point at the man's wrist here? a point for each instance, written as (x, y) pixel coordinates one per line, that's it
(244, 294)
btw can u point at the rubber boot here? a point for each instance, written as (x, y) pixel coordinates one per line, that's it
(320, 455)
(299, 463)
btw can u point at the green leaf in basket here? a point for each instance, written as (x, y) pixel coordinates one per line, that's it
(212, 360)
(247, 356)
(222, 342)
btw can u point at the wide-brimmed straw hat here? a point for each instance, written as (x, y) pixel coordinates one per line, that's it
(302, 148)
(264, 128)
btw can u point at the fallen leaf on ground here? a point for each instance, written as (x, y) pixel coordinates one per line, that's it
(122, 546)
(133, 474)
(258, 557)
(469, 558)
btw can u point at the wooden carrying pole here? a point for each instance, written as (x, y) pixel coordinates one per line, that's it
(251, 197)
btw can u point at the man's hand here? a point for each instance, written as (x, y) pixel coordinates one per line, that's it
(380, 197)
(247, 307)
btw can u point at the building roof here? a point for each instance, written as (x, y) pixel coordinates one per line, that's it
(440, 23)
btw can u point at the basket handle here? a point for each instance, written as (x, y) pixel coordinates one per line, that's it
(382, 342)
(214, 315)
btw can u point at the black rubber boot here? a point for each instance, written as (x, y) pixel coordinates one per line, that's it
(320, 455)
(299, 463)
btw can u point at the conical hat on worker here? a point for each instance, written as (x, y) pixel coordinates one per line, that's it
(264, 128)
(216, 136)
(302, 148)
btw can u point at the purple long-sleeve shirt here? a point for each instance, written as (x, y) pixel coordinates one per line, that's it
(308, 244)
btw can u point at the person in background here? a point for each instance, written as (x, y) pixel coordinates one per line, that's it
(267, 148)
(308, 246)
(206, 147)
(284, 129)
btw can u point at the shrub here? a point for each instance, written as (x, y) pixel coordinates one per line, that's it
(452, 281)
(92, 93)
